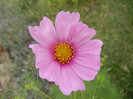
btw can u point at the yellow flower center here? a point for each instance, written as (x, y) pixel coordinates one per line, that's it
(63, 52)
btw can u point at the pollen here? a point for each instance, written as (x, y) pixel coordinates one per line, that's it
(63, 52)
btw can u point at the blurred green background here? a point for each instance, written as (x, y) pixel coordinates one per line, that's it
(113, 21)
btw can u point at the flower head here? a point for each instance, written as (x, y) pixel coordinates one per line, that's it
(66, 54)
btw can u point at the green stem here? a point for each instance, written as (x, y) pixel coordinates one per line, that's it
(81, 95)
(42, 93)
(74, 95)
(71, 96)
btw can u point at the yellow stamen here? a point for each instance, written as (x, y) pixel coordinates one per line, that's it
(63, 52)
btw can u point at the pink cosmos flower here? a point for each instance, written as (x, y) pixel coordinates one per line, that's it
(66, 54)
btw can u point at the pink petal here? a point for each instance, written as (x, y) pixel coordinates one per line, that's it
(45, 33)
(90, 47)
(69, 81)
(88, 54)
(49, 70)
(91, 61)
(63, 22)
(41, 54)
(84, 72)
(80, 33)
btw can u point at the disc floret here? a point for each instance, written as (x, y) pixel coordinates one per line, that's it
(63, 52)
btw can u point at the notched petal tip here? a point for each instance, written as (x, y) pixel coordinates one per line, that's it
(45, 20)
(65, 91)
(83, 88)
(100, 42)
(92, 32)
(68, 92)
(68, 12)
(63, 13)
(77, 14)
(30, 28)
(45, 17)
(40, 74)
(31, 46)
